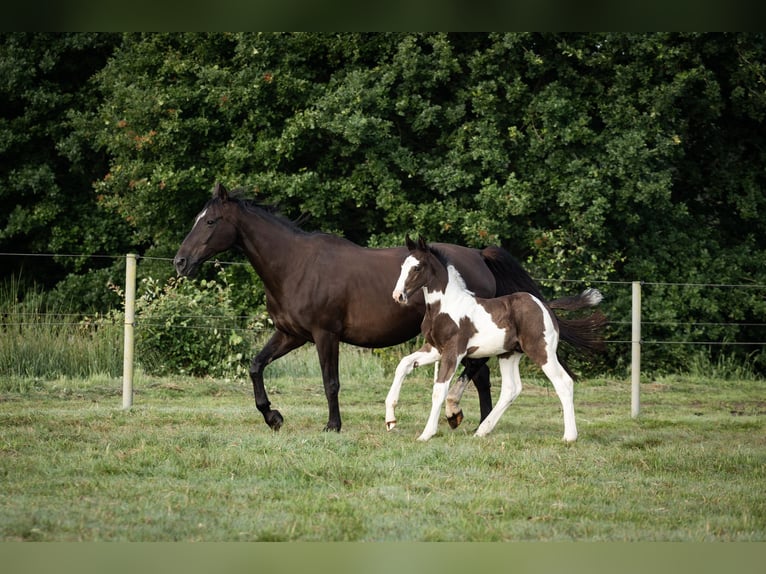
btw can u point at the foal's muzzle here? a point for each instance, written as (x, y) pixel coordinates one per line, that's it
(400, 297)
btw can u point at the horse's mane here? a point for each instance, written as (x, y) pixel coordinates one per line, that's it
(249, 205)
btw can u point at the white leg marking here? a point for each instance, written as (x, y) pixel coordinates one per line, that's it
(564, 386)
(405, 367)
(561, 380)
(437, 398)
(511, 388)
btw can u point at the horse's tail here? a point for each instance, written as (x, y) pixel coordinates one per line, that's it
(510, 276)
(583, 333)
(588, 298)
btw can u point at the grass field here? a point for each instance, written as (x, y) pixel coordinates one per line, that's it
(193, 460)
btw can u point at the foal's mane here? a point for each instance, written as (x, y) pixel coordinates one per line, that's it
(442, 258)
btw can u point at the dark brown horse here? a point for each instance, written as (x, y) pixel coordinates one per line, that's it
(459, 324)
(327, 290)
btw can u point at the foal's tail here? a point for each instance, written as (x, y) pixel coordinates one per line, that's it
(583, 333)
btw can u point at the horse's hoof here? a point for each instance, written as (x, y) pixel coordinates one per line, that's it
(455, 420)
(390, 425)
(332, 427)
(274, 420)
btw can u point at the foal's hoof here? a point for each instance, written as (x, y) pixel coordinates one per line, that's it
(390, 425)
(455, 420)
(332, 427)
(274, 420)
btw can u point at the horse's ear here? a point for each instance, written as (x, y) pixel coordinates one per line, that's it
(220, 192)
(422, 243)
(410, 243)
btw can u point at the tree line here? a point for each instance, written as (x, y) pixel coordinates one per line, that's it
(608, 157)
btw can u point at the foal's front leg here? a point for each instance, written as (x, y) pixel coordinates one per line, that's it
(426, 355)
(449, 363)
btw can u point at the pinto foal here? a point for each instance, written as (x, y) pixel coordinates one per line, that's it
(458, 324)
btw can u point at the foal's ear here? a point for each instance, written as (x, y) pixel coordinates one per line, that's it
(220, 192)
(422, 243)
(409, 243)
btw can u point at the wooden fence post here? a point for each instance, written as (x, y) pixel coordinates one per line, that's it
(635, 360)
(130, 317)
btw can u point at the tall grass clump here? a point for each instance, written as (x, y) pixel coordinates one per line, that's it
(44, 342)
(706, 364)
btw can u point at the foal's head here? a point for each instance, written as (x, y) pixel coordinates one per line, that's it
(420, 269)
(211, 234)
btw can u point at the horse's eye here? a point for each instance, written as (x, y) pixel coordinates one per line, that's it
(211, 221)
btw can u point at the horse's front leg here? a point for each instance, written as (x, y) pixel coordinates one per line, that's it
(279, 345)
(447, 367)
(328, 348)
(423, 356)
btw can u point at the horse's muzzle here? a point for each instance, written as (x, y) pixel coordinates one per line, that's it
(184, 267)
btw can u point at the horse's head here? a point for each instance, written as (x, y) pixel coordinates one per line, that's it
(417, 268)
(211, 234)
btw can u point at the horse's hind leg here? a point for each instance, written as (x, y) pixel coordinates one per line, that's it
(328, 348)
(511, 387)
(423, 356)
(279, 345)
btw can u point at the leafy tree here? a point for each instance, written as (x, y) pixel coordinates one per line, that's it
(590, 156)
(46, 167)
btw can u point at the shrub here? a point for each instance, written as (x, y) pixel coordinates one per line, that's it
(193, 328)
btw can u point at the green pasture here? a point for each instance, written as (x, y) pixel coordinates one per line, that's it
(193, 460)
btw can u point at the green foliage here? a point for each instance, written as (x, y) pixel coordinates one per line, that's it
(609, 157)
(47, 159)
(194, 329)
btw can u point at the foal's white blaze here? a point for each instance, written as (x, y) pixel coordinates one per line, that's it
(398, 293)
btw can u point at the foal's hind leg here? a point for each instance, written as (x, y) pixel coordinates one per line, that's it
(564, 386)
(511, 387)
(423, 356)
